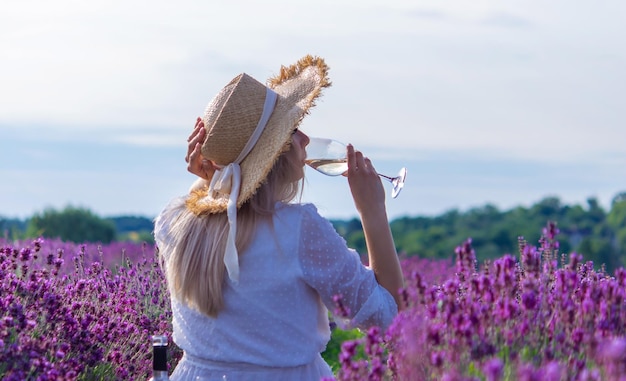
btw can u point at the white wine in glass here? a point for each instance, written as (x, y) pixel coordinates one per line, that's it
(329, 157)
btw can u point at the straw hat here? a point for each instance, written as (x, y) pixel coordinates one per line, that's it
(233, 116)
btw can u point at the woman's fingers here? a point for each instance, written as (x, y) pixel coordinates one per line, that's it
(196, 137)
(351, 159)
(365, 185)
(200, 166)
(359, 163)
(196, 163)
(199, 124)
(192, 158)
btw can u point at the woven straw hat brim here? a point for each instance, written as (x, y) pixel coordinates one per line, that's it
(297, 86)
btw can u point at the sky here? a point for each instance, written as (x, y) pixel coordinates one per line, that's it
(484, 102)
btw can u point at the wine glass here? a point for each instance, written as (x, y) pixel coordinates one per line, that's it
(329, 157)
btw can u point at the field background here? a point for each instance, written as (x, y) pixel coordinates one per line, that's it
(82, 295)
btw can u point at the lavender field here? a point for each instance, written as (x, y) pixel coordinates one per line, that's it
(86, 312)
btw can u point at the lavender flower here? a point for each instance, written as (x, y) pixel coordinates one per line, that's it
(528, 319)
(86, 321)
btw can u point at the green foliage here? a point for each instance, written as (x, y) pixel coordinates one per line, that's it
(12, 228)
(137, 237)
(333, 348)
(79, 225)
(133, 228)
(589, 230)
(104, 371)
(71, 224)
(125, 224)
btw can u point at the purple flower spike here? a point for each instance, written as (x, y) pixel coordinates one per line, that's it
(341, 309)
(493, 369)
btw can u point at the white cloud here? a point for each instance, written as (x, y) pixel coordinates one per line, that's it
(517, 80)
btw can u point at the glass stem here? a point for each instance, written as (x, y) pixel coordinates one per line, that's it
(387, 177)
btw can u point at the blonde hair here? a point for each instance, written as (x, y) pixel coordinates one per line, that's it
(195, 269)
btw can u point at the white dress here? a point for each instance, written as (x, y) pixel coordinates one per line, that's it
(274, 324)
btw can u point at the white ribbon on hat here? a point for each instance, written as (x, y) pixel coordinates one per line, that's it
(227, 180)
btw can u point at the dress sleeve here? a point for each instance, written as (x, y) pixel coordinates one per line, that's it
(331, 268)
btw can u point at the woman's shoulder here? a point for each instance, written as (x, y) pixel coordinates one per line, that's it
(304, 215)
(300, 209)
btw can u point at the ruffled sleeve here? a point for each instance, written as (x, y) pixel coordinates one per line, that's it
(333, 269)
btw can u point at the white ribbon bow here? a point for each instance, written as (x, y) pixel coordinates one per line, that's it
(227, 180)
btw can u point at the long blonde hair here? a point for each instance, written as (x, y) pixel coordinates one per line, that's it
(195, 267)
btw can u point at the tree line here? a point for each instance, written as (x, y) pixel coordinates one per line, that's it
(598, 234)
(78, 225)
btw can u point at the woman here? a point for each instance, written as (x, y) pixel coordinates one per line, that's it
(251, 273)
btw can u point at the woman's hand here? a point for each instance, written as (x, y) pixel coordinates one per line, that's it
(369, 198)
(196, 163)
(365, 184)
